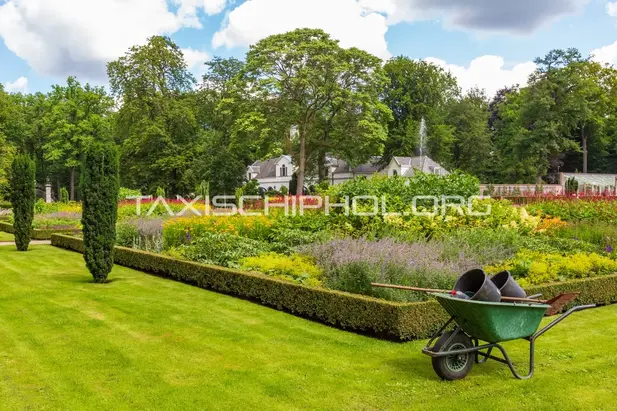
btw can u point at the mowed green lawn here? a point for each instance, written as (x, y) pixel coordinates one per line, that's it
(6, 237)
(141, 342)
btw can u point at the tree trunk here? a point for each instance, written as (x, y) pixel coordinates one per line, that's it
(301, 165)
(585, 151)
(322, 170)
(73, 184)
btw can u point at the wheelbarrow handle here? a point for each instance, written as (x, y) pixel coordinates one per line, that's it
(561, 318)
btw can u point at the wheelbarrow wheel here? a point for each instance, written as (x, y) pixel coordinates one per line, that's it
(453, 367)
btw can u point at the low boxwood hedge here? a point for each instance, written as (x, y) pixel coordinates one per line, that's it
(399, 321)
(37, 234)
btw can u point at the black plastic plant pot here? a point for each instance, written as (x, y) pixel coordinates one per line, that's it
(478, 283)
(507, 285)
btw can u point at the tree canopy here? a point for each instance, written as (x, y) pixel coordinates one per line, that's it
(300, 93)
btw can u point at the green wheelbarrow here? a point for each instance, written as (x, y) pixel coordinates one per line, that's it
(455, 352)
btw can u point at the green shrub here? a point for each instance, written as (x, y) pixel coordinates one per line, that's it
(535, 268)
(126, 193)
(574, 210)
(296, 268)
(221, 249)
(352, 264)
(572, 185)
(64, 196)
(5, 205)
(23, 195)
(286, 240)
(491, 246)
(400, 191)
(602, 235)
(251, 188)
(160, 192)
(141, 233)
(100, 184)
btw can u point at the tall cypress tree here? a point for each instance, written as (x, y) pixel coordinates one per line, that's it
(100, 186)
(23, 196)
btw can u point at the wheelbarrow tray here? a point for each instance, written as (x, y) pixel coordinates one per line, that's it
(494, 322)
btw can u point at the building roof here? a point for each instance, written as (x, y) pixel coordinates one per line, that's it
(601, 180)
(421, 163)
(371, 167)
(266, 168)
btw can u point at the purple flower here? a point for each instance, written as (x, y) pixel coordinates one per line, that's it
(609, 249)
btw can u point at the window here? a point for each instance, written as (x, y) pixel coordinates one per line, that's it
(283, 170)
(437, 171)
(395, 173)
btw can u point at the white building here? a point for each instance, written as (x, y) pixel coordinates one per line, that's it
(276, 173)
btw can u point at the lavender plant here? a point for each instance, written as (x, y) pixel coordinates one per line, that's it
(352, 264)
(141, 233)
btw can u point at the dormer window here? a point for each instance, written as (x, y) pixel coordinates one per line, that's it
(283, 170)
(394, 173)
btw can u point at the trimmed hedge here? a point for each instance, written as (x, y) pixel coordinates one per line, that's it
(398, 321)
(40, 235)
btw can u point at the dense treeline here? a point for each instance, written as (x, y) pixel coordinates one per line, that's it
(301, 93)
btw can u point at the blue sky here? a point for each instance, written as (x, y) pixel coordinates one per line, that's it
(488, 43)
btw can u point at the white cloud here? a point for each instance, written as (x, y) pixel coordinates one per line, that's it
(511, 16)
(194, 58)
(188, 9)
(487, 72)
(19, 85)
(606, 54)
(79, 37)
(355, 23)
(611, 8)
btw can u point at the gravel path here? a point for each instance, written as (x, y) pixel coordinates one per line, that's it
(35, 242)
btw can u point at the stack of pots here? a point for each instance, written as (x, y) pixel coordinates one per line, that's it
(476, 285)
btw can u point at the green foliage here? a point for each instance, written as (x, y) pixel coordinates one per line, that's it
(286, 240)
(221, 249)
(573, 210)
(295, 268)
(141, 233)
(418, 90)
(23, 174)
(64, 196)
(43, 234)
(80, 115)
(100, 185)
(534, 267)
(156, 124)
(602, 235)
(400, 191)
(571, 185)
(160, 192)
(251, 188)
(126, 193)
(472, 148)
(295, 76)
(181, 231)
